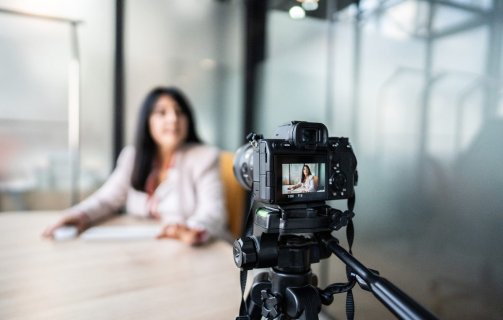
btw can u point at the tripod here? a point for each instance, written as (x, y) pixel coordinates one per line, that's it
(289, 290)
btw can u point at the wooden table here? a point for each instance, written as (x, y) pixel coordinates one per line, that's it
(137, 279)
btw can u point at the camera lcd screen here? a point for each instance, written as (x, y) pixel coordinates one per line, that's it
(301, 179)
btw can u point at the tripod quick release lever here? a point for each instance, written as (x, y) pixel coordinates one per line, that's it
(245, 253)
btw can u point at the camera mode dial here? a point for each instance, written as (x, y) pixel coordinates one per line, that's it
(338, 181)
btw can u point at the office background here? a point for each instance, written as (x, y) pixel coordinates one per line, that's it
(415, 84)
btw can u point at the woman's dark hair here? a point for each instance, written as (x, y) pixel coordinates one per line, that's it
(308, 172)
(144, 144)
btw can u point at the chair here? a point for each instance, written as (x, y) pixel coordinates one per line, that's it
(235, 194)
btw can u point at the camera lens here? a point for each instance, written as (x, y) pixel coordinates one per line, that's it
(243, 166)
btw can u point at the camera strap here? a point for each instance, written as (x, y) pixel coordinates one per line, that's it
(350, 235)
(243, 309)
(243, 274)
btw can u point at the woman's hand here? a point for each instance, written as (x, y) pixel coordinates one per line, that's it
(182, 233)
(80, 221)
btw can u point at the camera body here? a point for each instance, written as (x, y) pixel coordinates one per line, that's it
(301, 164)
(291, 176)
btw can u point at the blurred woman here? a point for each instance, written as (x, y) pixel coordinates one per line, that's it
(168, 175)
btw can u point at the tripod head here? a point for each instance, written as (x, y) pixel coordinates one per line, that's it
(288, 240)
(283, 236)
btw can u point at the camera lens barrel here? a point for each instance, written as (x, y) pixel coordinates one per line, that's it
(243, 166)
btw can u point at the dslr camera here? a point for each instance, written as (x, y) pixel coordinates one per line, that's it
(296, 171)
(275, 168)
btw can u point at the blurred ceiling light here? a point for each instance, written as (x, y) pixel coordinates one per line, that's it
(297, 12)
(310, 5)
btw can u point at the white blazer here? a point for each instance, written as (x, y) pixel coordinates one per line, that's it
(192, 193)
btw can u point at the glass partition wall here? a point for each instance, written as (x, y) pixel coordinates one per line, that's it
(38, 114)
(416, 86)
(53, 151)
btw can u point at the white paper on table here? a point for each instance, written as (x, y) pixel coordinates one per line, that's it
(121, 232)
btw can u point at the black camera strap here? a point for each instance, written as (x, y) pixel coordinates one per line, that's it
(350, 235)
(243, 274)
(243, 309)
